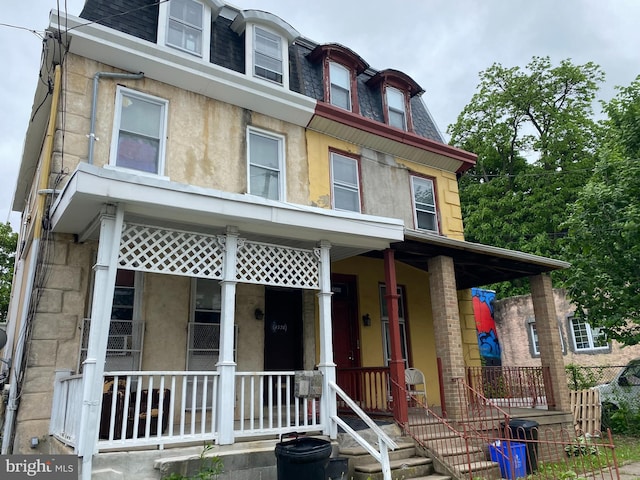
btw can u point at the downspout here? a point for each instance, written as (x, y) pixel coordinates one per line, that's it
(43, 184)
(94, 104)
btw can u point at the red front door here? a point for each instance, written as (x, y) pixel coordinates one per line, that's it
(344, 321)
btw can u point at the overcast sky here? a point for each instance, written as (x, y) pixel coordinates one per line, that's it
(441, 44)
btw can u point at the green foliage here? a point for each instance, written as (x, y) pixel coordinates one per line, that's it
(581, 446)
(623, 420)
(581, 378)
(535, 140)
(8, 244)
(603, 244)
(209, 468)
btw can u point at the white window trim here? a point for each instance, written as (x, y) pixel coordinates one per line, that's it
(345, 186)
(282, 193)
(415, 205)
(348, 89)
(404, 106)
(533, 335)
(385, 325)
(163, 31)
(250, 55)
(592, 347)
(113, 157)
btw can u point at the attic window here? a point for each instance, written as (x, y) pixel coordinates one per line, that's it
(267, 55)
(185, 28)
(396, 111)
(340, 81)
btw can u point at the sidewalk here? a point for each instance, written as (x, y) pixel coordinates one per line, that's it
(630, 471)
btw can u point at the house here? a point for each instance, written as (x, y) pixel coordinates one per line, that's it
(581, 344)
(211, 203)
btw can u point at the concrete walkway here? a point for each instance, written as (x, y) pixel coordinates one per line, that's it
(630, 471)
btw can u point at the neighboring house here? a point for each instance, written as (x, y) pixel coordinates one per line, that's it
(210, 202)
(581, 344)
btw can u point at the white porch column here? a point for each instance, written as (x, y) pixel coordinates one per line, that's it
(328, 407)
(111, 221)
(226, 363)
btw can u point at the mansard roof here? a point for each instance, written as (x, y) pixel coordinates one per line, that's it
(227, 49)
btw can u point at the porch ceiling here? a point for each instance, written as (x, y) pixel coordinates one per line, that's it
(160, 202)
(475, 264)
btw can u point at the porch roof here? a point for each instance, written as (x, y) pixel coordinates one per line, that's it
(158, 201)
(475, 264)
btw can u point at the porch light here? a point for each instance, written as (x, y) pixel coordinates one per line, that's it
(259, 314)
(366, 320)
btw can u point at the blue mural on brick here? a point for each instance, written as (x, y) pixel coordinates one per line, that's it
(486, 325)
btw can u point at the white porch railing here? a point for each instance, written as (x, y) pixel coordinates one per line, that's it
(67, 402)
(267, 405)
(156, 408)
(384, 441)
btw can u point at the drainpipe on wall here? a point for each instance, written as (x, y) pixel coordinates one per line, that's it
(43, 183)
(94, 103)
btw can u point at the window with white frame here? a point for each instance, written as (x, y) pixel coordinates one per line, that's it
(535, 345)
(139, 132)
(340, 80)
(185, 25)
(384, 315)
(267, 55)
(345, 183)
(266, 160)
(396, 108)
(424, 199)
(585, 337)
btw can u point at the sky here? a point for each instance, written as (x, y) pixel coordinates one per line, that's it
(441, 44)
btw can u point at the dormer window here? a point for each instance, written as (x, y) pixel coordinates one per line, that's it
(267, 41)
(340, 81)
(397, 88)
(267, 55)
(186, 25)
(340, 68)
(396, 112)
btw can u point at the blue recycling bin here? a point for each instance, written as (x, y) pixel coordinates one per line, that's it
(511, 457)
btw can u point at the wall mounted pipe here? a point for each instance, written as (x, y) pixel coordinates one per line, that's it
(94, 103)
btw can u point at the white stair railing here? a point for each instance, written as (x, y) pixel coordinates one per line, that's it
(385, 443)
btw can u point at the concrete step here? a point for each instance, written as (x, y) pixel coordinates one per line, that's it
(484, 469)
(404, 468)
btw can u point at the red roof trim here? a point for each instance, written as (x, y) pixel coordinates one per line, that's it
(341, 54)
(350, 119)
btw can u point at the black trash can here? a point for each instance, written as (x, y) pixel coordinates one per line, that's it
(337, 469)
(302, 457)
(521, 429)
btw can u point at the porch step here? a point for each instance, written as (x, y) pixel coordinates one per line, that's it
(484, 469)
(403, 468)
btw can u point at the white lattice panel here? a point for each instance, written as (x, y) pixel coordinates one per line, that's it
(268, 264)
(151, 249)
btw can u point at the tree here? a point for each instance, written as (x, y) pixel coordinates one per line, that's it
(603, 244)
(535, 138)
(8, 243)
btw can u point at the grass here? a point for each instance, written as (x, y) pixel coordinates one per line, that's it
(627, 449)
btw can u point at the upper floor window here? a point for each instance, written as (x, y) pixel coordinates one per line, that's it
(345, 183)
(267, 55)
(424, 200)
(535, 344)
(396, 108)
(586, 338)
(139, 132)
(340, 80)
(185, 26)
(266, 160)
